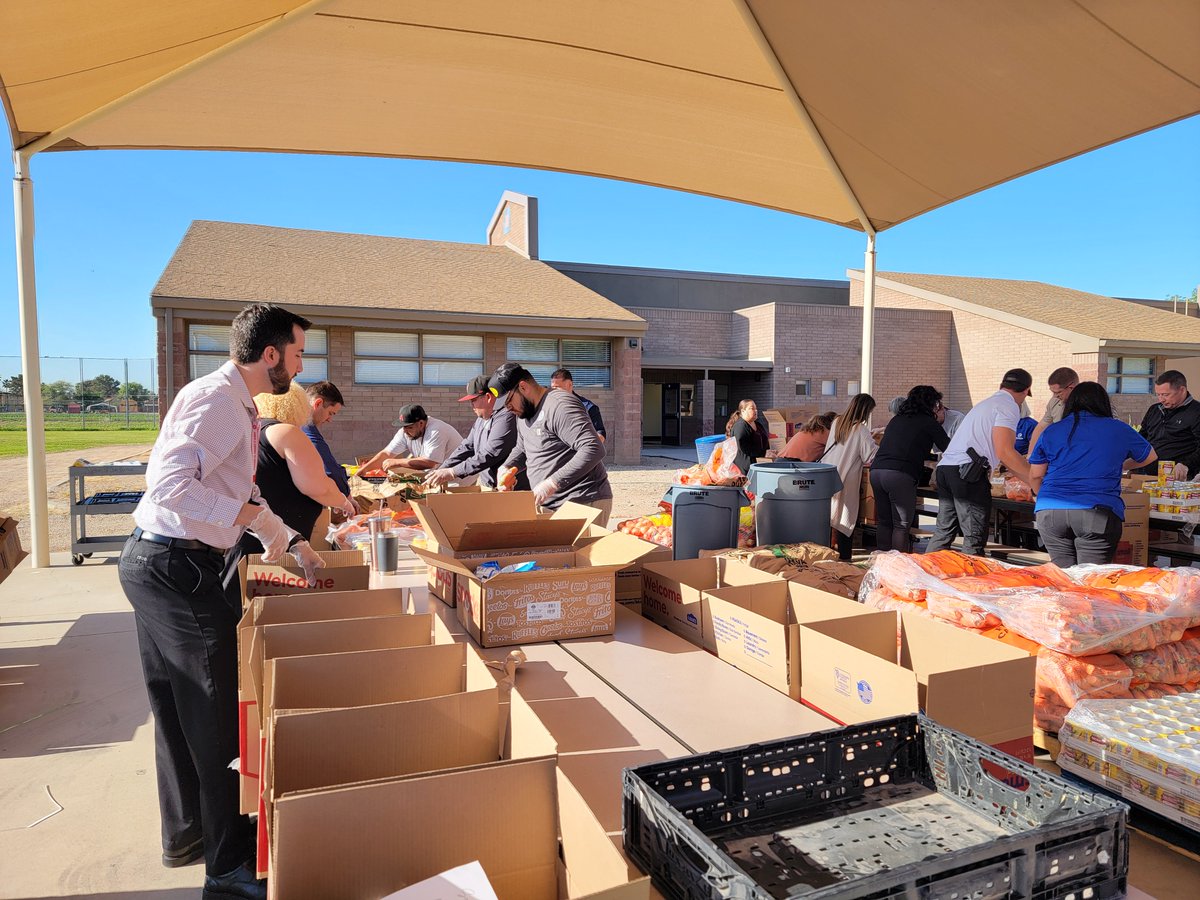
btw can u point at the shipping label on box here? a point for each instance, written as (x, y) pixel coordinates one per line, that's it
(344, 571)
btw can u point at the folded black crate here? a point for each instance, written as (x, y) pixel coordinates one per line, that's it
(901, 807)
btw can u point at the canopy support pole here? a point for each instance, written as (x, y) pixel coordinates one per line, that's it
(31, 368)
(814, 134)
(868, 314)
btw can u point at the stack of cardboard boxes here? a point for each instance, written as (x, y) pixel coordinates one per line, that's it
(363, 723)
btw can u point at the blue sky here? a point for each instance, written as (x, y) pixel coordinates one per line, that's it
(1121, 221)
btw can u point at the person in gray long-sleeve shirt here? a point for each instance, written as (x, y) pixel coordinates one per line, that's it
(490, 441)
(556, 442)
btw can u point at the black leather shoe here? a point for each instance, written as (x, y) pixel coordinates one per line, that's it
(173, 859)
(240, 884)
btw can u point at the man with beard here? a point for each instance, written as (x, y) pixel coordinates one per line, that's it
(200, 497)
(421, 442)
(486, 446)
(556, 442)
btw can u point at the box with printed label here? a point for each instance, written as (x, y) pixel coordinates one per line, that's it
(478, 526)
(569, 595)
(671, 592)
(629, 579)
(757, 627)
(345, 570)
(851, 671)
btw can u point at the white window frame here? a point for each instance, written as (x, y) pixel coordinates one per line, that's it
(1117, 377)
(420, 359)
(562, 363)
(316, 365)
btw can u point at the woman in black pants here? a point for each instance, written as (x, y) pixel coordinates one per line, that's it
(907, 440)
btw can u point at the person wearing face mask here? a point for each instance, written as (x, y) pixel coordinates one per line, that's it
(486, 446)
(557, 444)
(1172, 426)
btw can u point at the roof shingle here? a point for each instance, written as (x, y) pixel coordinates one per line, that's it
(265, 264)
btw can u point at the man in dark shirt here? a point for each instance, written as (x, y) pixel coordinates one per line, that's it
(486, 446)
(1172, 425)
(562, 379)
(326, 402)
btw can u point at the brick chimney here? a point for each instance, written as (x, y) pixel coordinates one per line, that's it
(514, 224)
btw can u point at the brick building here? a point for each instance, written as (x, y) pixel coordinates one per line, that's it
(666, 354)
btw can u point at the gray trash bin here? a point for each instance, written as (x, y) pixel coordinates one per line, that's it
(792, 501)
(703, 518)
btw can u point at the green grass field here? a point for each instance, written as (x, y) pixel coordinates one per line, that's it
(12, 443)
(10, 421)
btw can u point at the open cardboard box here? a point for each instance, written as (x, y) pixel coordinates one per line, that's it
(349, 717)
(11, 553)
(672, 592)
(574, 595)
(369, 839)
(629, 579)
(379, 625)
(757, 627)
(344, 570)
(981, 687)
(1136, 529)
(480, 526)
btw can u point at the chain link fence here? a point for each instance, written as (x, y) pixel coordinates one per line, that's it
(84, 393)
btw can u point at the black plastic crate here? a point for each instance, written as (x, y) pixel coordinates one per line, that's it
(896, 808)
(102, 498)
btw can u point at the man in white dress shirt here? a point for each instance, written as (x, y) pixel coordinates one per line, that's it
(200, 496)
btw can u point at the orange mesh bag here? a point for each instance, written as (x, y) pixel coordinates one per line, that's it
(1016, 489)
(1048, 712)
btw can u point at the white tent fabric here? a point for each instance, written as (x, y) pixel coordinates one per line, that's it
(860, 114)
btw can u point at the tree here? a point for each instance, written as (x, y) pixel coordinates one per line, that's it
(135, 391)
(97, 390)
(14, 385)
(57, 393)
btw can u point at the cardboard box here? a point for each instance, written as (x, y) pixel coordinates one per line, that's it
(374, 608)
(866, 499)
(344, 570)
(480, 526)
(776, 430)
(1136, 530)
(672, 592)
(629, 579)
(573, 596)
(757, 627)
(11, 553)
(981, 687)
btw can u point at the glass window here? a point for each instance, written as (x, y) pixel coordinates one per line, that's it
(453, 346)
(200, 364)
(209, 338)
(829, 388)
(590, 362)
(1131, 374)
(208, 349)
(802, 388)
(316, 368)
(387, 371)
(386, 343)
(1136, 365)
(449, 373)
(852, 389)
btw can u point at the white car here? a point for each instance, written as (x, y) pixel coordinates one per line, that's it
(101, 407)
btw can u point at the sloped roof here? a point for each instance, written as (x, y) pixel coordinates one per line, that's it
(230, 261)
(1090, 315)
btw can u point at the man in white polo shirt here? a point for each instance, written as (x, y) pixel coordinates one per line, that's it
(984, 440)
(421, 442)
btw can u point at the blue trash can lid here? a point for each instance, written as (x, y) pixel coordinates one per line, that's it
(711, 439)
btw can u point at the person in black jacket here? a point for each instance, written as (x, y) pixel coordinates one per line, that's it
(897, 467)
(490, 441)
(751, 437)
(1172, 425)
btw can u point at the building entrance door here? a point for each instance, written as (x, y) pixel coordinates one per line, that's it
(670, 415)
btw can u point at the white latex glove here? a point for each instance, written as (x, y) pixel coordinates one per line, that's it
(309, 560)
(544, 491)
(348, 508)
(501, 475)
(273, 534)
(438, 477)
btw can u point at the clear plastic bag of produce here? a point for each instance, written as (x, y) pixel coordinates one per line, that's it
(1074, 678)
(1016, 489)
(1174, 663)
(1179, 586)
(355, 532)
(655, 528)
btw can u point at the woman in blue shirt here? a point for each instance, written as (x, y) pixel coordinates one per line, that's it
(1075, 468)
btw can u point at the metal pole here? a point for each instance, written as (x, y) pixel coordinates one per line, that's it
(82, 399)
(126, 394)
(31, 370)
(868, 325)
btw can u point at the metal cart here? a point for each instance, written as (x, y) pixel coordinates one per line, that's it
(105, 503)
